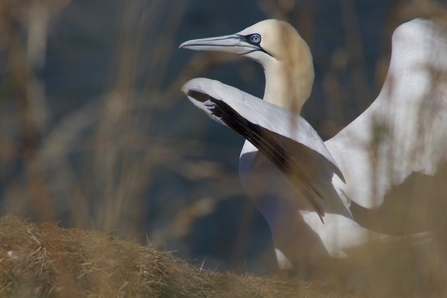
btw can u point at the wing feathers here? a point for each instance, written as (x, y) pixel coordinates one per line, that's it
(268, 142)
(404, 130)
(266, 115)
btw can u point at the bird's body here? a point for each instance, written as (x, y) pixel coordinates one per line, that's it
(297, 181)
(299, 236)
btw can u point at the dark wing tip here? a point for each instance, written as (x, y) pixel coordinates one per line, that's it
(321, 218)
(314, 202)
(199, 96)
(340, 175)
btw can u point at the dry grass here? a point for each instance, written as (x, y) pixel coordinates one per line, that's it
(42, 260)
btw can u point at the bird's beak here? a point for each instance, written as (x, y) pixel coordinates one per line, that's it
(234, 43)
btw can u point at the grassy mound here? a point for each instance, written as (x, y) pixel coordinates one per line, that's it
(42, 260)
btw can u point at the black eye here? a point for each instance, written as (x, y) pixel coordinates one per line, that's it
(255, 38)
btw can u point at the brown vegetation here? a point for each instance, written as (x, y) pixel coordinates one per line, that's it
(42, 260)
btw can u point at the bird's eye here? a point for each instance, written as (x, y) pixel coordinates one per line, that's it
(255, 38)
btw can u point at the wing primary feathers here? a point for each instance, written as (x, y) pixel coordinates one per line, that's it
(199, 96)
(266, 142)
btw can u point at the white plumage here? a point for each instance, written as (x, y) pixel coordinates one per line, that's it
(286, 169)
(406, 124)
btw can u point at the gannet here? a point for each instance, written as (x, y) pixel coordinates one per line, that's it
(302, 185)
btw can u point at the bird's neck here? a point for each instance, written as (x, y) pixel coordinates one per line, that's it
(289, 83)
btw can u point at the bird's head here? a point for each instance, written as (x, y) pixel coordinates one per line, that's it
(266, 42)
(282, 52)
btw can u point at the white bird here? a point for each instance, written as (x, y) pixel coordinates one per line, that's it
(296, 180)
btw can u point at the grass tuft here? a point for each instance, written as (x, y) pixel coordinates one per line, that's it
(43, 260)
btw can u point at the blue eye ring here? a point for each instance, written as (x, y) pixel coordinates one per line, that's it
(254, 38)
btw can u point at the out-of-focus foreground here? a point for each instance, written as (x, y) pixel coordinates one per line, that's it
(112, 145)
(46, 261)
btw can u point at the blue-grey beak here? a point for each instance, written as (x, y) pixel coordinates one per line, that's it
(235, 44)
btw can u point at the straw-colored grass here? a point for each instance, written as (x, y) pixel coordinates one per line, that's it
(43, 260)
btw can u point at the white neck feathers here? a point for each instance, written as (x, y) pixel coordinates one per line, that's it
(289, 80)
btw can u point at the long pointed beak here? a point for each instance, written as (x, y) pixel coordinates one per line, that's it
(234, 43)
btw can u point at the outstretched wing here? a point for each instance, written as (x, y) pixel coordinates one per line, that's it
(269, 128)
(405, 129)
